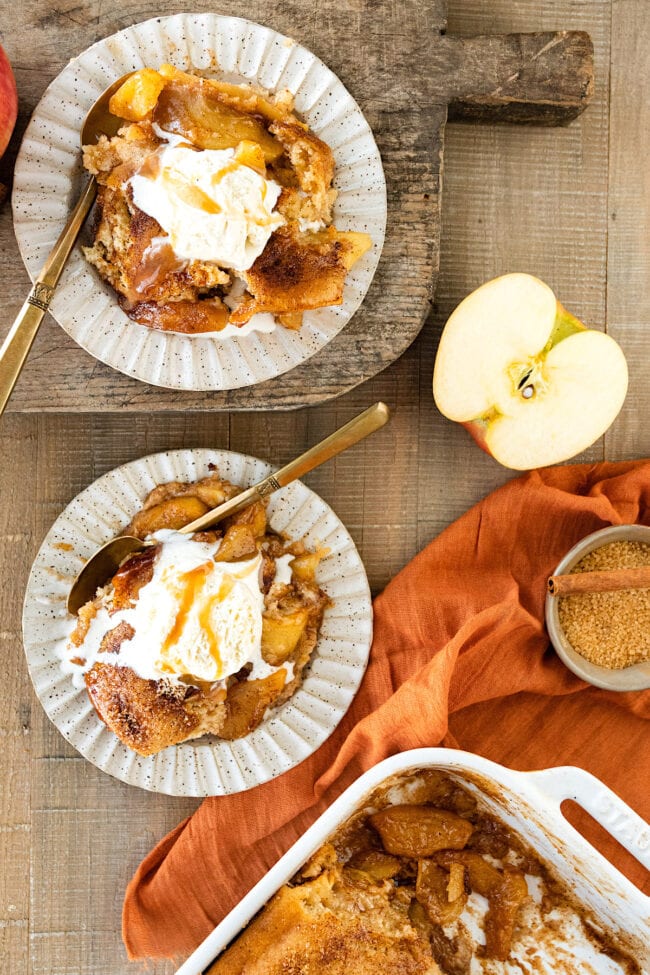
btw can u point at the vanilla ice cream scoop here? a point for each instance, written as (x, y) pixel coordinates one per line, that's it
(211, 206)
(211, 619)
(195, 619)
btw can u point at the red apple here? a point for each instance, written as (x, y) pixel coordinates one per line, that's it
(8, 101)
(530, 382)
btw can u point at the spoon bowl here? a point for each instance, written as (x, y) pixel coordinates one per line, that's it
(101, 566)
(99, 120)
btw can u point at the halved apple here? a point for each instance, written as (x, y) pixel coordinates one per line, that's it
(530, 382)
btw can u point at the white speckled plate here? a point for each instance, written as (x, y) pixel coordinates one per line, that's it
(48, 178)
(205, 766)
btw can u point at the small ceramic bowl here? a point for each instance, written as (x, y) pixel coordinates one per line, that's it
(634, 678)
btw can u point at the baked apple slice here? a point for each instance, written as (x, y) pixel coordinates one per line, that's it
(420, 831)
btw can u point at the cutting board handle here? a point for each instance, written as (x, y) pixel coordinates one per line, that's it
(545, 78)
(608, 809)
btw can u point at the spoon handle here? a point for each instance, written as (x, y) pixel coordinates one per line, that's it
(18, 342)
(361, 426)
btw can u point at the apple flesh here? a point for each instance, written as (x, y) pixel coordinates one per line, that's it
(529, 381)
(8, 101)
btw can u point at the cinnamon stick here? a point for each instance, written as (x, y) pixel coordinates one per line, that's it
(610, 581)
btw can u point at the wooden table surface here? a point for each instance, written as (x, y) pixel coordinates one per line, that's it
(571, 205)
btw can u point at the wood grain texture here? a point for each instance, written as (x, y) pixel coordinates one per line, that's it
(628, 216)
(541, 79)
(403, 80)
(540, 200)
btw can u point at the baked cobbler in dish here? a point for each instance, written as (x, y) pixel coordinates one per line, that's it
(423, 881)
(199, 633)
(214, 206)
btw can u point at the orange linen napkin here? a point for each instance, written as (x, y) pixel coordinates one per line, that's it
(460, 657)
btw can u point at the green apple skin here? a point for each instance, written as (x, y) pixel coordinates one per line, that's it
(8, 101)
(565, 324)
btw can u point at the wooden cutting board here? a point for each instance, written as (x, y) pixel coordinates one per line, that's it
(409, 77)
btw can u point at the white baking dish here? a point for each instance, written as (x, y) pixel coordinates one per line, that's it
(529, 802)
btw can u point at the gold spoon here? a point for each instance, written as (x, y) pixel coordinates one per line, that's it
(18, 342)
(103, 565)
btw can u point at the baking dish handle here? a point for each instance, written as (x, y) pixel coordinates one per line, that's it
(608, 809)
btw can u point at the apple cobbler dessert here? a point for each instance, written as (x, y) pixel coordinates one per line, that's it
(421, 881)
(199, 633)
(214, 206)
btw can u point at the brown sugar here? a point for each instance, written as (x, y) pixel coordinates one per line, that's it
(610, 629)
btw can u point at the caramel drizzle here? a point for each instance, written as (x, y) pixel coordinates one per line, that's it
(231, 167)
(193, 195)
(158, 260)
(193, 584)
